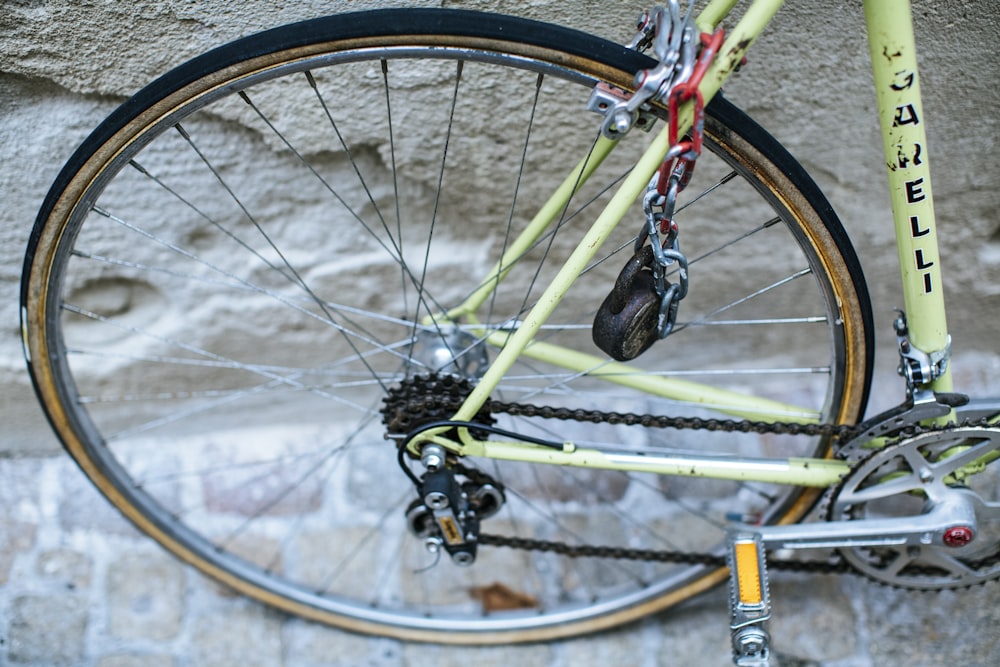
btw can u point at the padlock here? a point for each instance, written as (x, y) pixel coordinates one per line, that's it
(627, 323)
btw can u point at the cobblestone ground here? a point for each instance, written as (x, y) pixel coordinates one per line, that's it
(79, 586)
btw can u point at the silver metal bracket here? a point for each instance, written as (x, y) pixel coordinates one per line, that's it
(918, 367)
(605, 97)
(673, 36)
(921, 405)
(750, 600)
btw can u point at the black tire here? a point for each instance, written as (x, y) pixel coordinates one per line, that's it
(250, 471)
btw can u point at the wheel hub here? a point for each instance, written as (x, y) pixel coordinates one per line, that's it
(449, 351)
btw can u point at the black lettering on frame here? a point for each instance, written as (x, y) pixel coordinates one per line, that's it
(914, 191)
(905, 115)
(921, 263)
(902, 80)
(928, 287)
(903, 159)
(915, 230)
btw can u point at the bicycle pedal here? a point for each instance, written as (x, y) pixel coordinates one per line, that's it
(750, 602)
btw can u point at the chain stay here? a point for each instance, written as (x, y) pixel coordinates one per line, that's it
(835, 565)
(442, 401)
(658, 421)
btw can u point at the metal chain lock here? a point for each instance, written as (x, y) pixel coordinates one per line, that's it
(627, 323)
(643, 305)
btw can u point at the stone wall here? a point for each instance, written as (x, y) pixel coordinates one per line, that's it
(67, 561)
(64, 65)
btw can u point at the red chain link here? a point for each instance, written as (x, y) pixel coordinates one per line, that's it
(681, 157)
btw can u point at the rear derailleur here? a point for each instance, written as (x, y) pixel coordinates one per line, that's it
(453, 499)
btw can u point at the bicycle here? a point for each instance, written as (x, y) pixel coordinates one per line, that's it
(233, 446)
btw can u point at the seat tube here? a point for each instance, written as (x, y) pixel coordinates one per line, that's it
(901, 117)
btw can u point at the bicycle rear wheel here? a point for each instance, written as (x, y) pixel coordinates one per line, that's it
(234, 270)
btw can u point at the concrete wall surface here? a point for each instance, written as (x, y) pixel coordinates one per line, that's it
(79, 586)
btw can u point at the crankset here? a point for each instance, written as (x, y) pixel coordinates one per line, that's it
(938, 483)
(920, 513)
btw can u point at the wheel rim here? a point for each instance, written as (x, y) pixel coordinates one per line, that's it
(108, 309)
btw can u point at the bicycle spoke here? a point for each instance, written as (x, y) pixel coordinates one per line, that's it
(508, 230)
(404, 284)
(748, 297)
(296, 277)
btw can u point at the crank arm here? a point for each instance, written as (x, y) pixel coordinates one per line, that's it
(951, 523)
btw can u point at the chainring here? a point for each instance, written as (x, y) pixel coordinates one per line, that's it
(909, 477)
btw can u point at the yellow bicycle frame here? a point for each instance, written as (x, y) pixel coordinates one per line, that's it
(904, 141)
(893, 48)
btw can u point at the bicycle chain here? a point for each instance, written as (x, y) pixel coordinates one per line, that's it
(658, 421)
(447, 393)
(837, 566)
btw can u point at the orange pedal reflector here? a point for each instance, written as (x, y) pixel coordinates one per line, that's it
(748, 573)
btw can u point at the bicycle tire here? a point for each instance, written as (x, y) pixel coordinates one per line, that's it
(98, 316)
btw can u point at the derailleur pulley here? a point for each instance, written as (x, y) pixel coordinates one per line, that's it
(452, 501)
